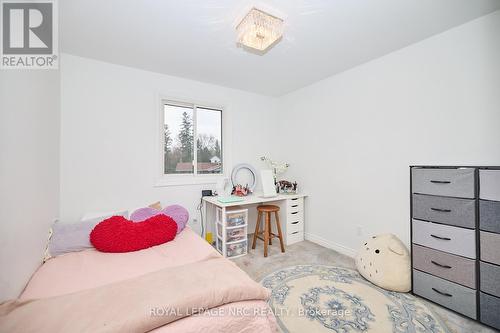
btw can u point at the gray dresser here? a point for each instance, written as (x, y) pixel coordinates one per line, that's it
(489, 236)
(455, 236)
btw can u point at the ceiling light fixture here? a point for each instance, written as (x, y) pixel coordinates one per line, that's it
(259, 30)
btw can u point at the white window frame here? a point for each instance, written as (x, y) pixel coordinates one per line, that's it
(191, 178)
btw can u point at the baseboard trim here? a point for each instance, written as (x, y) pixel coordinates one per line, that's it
(331, 245)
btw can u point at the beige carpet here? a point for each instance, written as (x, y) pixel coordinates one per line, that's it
(310, 253)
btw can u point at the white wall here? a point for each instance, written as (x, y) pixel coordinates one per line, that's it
(109, 140)
(351, 139)
(29, 172)
(356, 133)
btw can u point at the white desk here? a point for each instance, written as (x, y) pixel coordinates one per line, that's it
(253, 199)
(291, 215)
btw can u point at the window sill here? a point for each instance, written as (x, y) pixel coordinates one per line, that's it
(188, 180)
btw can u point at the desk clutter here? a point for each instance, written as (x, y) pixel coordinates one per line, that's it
(287, 187)
(231, 208)
(239, 189)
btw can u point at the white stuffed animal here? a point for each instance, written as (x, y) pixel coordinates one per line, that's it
(385, 261)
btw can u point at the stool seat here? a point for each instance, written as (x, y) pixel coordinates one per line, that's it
(267, 235)
(268, 208)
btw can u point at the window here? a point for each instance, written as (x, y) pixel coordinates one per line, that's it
(192, 133)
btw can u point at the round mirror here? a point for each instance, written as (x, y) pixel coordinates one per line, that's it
(244, 174)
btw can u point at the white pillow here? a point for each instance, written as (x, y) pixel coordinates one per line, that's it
(74, 237)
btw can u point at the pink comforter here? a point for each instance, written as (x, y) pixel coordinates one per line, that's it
(88, 269)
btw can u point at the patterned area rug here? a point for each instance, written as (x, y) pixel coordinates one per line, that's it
(315, 298)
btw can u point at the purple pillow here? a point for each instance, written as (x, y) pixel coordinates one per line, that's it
(142, 214)
(178, 213)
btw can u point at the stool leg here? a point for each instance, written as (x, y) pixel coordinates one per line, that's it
(266, 233)
(257, 229)
(270, 231)
(280, 235)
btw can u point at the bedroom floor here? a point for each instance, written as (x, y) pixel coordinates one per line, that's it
(310, 253)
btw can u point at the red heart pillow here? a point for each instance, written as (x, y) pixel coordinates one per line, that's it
(117, 234)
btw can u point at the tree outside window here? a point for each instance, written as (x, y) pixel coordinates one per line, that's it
(181, 150)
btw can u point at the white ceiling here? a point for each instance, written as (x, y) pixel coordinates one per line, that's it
(195, 39)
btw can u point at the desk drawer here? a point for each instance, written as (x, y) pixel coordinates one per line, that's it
(490, 247)
(489, 181)
(446, 182)
(295, 204)
(294, 217)
(445, 238)
(447, 266)
(489, 215)
(295, 226)
(446, 293)
(294, 237)
(452, 211)
(490, 277)
(489, 310)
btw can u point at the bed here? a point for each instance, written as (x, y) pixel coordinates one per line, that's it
(90, 269)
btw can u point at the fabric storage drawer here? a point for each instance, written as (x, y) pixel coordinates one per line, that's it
(489, 181)
(459, 212)
(447, 266)
(490, 247)
(490, 306)
(449, 294)
(446, 182)
(490, 278)
(489, 216)
(445, 238)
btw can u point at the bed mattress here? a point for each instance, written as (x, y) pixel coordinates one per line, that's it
(87, 269)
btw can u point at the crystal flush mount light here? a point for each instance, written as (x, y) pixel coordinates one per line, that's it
(259, 30)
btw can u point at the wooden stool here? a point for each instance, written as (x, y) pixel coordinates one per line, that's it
(267, 233)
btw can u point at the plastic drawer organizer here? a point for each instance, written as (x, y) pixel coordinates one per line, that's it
(232, 231)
